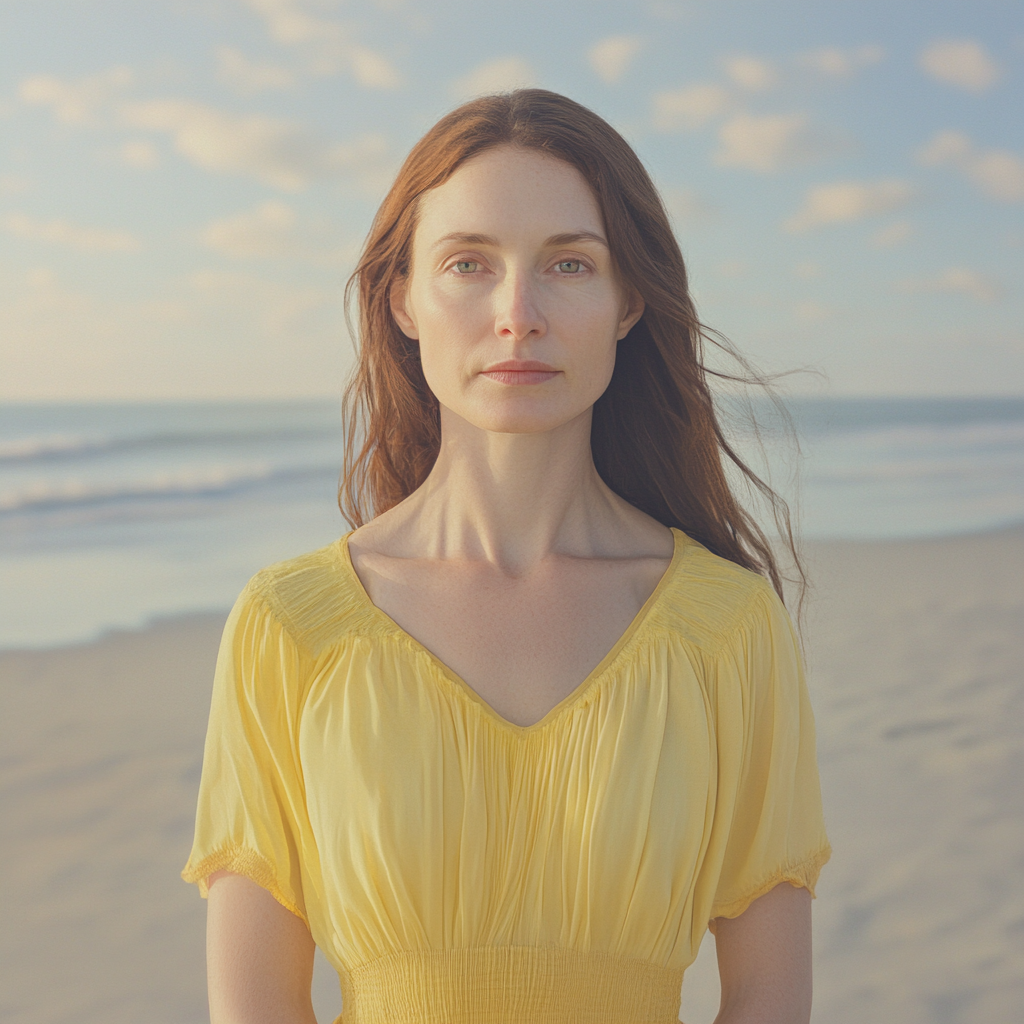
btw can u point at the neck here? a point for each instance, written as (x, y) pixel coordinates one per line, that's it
(512, 499)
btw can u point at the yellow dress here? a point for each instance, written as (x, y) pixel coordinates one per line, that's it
(458, 869)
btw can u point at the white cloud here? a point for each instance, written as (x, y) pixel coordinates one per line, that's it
(328, 46)
(498, 75)
(610, 58)
(893, 234)
(690, 107)
(140, 154)
(687, 208)
(812, 312)
(751, 73)
(844, 202)
(267, 231)
(997, 172)
(60, 232)
(963, 63)
(273, 231)
(947, 147)
(246, 77)
(956, 281)
(841, 63)
(277, 152)
(76, 102)
(373, 69)
(770, 143)
(289, 22)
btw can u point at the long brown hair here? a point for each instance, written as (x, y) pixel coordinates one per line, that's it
(656, 439)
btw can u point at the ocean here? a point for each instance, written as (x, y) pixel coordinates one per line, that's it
(113, 514)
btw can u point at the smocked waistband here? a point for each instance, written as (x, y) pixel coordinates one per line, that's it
(510, 985)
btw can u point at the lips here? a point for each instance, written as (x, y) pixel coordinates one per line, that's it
(520, 371)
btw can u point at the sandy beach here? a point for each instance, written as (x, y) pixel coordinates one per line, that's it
(915, 653)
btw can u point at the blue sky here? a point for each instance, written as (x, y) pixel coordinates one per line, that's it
(183, 185)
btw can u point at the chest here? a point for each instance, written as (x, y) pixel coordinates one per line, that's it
(522, 644)
(467, 830)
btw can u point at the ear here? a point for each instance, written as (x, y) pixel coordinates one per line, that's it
(399, 310)
(634, 310)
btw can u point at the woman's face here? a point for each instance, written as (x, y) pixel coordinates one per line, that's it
(512, 295)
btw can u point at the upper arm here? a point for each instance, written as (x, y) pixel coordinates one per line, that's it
(764, 959)
(259, 956)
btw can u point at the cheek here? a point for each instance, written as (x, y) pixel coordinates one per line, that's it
(445, 338)
(589, 326)
(447, 316)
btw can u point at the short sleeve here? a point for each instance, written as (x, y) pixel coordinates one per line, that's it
(251, 817)
(769, 812)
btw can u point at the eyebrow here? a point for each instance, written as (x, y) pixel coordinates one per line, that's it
(567, 238)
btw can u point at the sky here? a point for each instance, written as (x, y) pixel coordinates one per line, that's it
(185, 185)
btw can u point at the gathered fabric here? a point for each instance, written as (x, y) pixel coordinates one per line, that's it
(456, 868)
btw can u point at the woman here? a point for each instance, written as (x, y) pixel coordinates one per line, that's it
(506, 750)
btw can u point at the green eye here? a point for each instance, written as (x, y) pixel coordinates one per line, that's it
(466, 266)
(570, 266)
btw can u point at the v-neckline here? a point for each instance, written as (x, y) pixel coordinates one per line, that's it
(679, 540)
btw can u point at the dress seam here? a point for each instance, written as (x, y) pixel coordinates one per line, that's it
(802, 873)
(245, 861)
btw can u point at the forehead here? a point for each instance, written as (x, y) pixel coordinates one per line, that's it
(509, 191)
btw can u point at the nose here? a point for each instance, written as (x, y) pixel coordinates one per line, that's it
(517, 313)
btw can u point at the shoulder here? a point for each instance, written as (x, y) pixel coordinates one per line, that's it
(709, 601)
(314, 597)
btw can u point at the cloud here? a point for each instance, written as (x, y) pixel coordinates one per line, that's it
(610, 58)
(273, 231)
(893, 234)
(140, 154)
(770, 143)
(841, 63)
(60, 232)
(328, 46)
(687, 208)
(272, 150)
(812, 312)
(956, 281)
(751, 73)
(245, 77)
(963, 63)
(997, 172)
(690, 107)
(276, 152)
(844, 202)
(76, 102)
(495, 76)
(372, 69)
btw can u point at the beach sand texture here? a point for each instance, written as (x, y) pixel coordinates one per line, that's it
(915, 653)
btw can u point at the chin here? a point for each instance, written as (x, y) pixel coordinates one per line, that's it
(510, 420)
